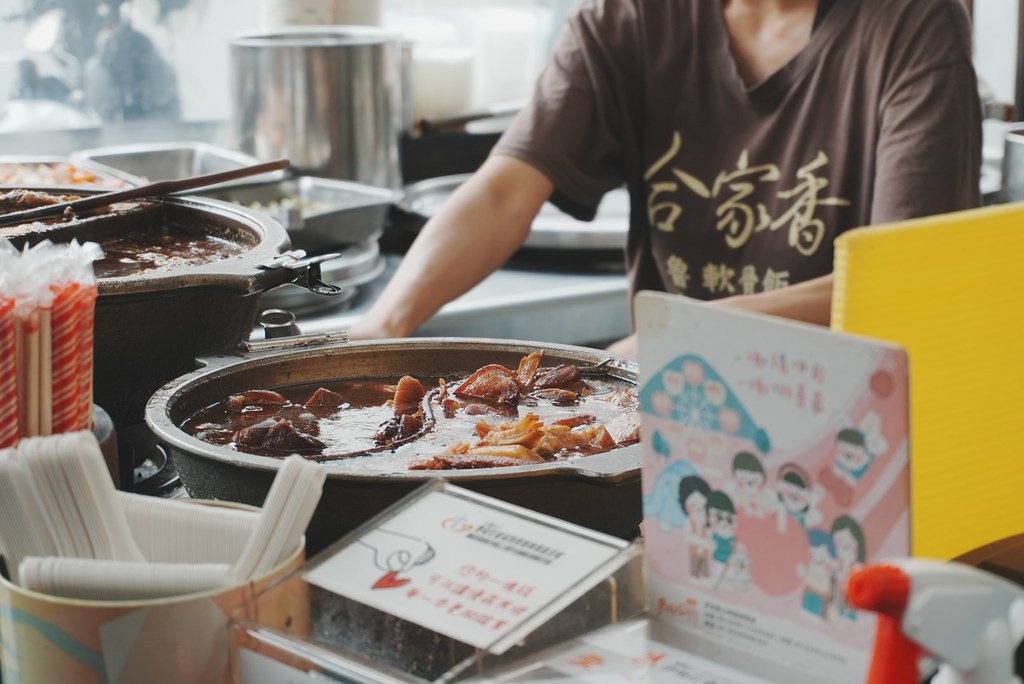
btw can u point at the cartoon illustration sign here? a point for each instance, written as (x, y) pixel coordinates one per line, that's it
(775, 463)
(466, 566)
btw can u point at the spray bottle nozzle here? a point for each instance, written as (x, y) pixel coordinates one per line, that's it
(883, 589)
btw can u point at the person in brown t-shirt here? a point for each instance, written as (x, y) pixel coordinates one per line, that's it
(750, 133)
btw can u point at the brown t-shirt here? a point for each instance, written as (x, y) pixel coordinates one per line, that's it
(740, 189)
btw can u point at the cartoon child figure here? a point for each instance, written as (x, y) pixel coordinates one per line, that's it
(856, 449)
(798, 497)
(737, 575)
(852, 456)
(851, 551)
(747, 487)
(819, 575)
(722, 522)
(693, 499)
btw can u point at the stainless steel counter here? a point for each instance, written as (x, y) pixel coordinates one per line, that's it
(568, 308)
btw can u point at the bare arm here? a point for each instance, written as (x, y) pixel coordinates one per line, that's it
(476, 231)
(809, 301)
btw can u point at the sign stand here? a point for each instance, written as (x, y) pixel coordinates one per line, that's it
(640, 651)
(444, 585)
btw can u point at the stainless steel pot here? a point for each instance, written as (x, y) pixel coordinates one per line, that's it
(601, 492)
(1013, 165)
(151, 326)
(329, 98)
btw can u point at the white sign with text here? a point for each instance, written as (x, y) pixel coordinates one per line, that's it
(463, 568)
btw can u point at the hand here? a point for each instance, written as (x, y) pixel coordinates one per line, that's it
(364, 329)
(627, 347)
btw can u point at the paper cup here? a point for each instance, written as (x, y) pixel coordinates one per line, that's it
(180, 639)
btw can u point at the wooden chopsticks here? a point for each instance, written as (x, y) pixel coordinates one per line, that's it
(165, 187)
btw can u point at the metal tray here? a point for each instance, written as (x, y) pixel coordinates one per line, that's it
(552, 229)
(106, 178)
(320, 214)
(171, 161)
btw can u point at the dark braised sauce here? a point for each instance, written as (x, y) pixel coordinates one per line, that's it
(140, 252)
(136, 251)
(130, 252)
(365, 429)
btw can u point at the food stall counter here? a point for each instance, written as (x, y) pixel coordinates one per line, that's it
(566, 308)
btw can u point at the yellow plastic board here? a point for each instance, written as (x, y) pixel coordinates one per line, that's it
(947, 289)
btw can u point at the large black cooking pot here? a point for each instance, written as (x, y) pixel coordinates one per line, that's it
(151, 326)
(601, 492)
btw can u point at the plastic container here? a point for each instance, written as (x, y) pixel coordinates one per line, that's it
(180, 639)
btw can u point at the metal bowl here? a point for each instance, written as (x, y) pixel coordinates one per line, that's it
(601, 491)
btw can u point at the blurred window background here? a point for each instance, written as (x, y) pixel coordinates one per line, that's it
(68, 64)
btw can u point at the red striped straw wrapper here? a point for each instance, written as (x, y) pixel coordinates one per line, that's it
(46, 369)
(8, 376)
(85, 304)
(26, 344)
(66, 358)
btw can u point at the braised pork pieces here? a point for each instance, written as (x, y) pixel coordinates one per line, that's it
(495, 417)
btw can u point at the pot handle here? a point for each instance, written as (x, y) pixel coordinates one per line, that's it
(277, 323)
(248, 350)
(295, 342)
(295, 267)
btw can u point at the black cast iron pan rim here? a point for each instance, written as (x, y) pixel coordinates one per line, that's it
(243, 272)
(610, 467)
